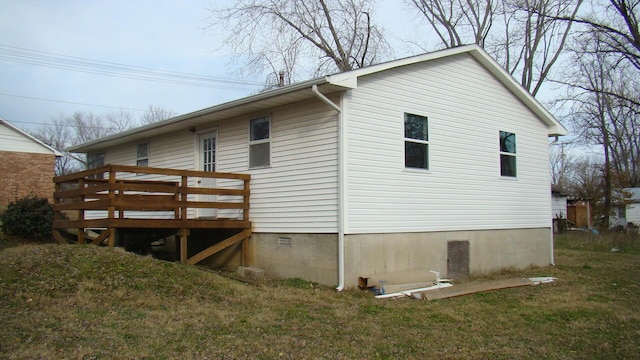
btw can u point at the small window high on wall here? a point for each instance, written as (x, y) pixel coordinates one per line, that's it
(260, 142)
(416, 141)
(507, 154)
(95, 161)
(142, 154)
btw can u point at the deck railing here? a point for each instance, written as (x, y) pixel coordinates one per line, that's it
(119, 196)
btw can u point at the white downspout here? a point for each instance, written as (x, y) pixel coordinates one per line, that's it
(551, 255)
(341, 191)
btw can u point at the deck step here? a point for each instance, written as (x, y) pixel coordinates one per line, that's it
(250, 272)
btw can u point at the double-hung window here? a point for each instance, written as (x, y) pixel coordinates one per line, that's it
(142, 154)
(416, 141)
(507, 154)
(95, 161)
(260, 142)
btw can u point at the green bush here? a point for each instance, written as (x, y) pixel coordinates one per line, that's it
(30, 218)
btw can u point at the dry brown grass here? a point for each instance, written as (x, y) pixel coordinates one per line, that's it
(90, 302)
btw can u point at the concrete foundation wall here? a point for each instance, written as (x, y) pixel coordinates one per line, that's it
(489, 250)
(313, 257)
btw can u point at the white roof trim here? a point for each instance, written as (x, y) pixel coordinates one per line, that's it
(283, 91)
(555, 128)
(349, 80)
(31, 137)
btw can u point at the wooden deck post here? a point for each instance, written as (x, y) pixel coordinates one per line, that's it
(183, 197)
(81, 199)
(247, 193)
(245, 252)
(111, 209)
(56, 215)
(183, 234)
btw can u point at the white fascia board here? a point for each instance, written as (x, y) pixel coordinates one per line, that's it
(210, 110)
(554, 127)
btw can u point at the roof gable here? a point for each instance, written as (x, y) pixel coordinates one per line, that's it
(328, 84)
(15, 139)
(555, 128)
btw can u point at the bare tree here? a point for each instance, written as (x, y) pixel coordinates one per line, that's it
(155, 114)
(586, 179)
(59, 136)
(119, 120)
(561, 161)
(600, 118)
(524, 36)
(458, 22)
(88, 126)
(617, 23)
(612, 29)
(65, 131)
(325, 35)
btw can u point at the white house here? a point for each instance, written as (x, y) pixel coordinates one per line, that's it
(26, 165)
(437, 161)
(558, 208)
(629, 212)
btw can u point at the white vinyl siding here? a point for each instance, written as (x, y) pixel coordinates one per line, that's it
(633, 213)
(11, 140)
(559, 207)
(466, 107)
(298, 192)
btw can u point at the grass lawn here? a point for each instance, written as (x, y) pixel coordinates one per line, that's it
(90, 302)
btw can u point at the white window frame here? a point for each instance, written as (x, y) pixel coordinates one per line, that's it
(513, 154)
(143, 158)
(417, 141)
(259, 142)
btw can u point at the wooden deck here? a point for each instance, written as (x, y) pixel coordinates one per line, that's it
(112, 198)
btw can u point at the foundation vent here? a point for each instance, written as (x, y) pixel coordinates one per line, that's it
(284, 242)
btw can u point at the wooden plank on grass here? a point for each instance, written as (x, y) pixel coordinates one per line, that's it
(475, 287)
(393, 288)
(396, 277)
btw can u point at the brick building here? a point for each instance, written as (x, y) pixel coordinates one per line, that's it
(26, 165)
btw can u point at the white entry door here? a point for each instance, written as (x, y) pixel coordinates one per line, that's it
(207, 151)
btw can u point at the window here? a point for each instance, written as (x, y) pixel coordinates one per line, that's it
(259, 142)
(416, 141)
(95, 161)
(507, 154)
(142, 154)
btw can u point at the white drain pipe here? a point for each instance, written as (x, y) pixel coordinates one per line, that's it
(341, 191)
